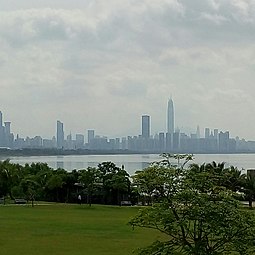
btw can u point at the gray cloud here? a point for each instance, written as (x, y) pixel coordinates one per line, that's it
(99, 64)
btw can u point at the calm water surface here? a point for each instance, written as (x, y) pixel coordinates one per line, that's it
(131, 162)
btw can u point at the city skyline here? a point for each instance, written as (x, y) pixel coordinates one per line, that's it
(173, 140)
(61, 133)
(213, 141)
(102, 64)
(145, 127)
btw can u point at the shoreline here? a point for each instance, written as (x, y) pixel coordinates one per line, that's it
(56, 152)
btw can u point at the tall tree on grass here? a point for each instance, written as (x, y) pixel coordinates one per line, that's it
(115, 182)
(90, 178)
(29, 186)
(55, 184)
(199, 216)
(120, 184)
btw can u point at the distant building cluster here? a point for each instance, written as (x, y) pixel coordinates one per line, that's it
(173, 140)
(6, 137)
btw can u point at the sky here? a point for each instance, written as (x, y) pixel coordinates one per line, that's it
(96, 64)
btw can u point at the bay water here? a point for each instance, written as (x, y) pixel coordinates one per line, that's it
(132, 162)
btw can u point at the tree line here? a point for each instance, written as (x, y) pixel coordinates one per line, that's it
(110, 184)
(105, 184)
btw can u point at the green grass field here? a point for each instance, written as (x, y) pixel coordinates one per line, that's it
(61, 229)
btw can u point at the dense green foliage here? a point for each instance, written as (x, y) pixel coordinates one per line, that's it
(196, 208)
(107, 184)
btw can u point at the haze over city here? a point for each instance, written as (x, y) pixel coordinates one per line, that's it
(102, 64)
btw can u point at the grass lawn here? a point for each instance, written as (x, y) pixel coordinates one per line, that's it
(60, 229)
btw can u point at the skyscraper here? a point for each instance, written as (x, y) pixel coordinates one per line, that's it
(216, 134)
(198, 132)
(7, 125)
(1, 119)
(91, 135)
(60, 135)
(207, 133)
(145, 126)
(170, 116)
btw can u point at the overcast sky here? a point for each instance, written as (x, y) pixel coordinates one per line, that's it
(102, 64)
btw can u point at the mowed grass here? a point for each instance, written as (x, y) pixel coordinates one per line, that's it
(61, 229)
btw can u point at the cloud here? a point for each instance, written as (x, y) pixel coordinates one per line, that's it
(215, 18)
(104, 60)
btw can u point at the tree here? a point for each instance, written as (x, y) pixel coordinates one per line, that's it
(55, 183)
(89, 178)
(249, 188)
(234, 179)
(121, 184)
(211, 176)
(174, 160)
(29, 187)
(70, 180)
(198, 216)
(10, 177)
(157, 182)
(162, 178)
(115, 182)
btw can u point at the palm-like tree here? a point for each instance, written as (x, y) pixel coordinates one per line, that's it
(234, 179)
(29, 186)
(249, 188)
(10, 176)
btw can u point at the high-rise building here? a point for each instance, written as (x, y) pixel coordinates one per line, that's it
(207, 133)
(145, 126)
(6, 135)
(216, 134)
(60, 135)
(2, 134)
(170, 116)
(1, 119)
(162, 142)
(224, 141)
(91, 135)
(169, 143)
(124, 144)
(198, 132)
(79, 141)
(7, 125)
(176, 141)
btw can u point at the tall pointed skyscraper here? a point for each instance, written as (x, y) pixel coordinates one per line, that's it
(60, 135)
(170, 116)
